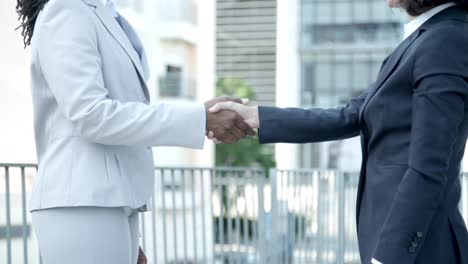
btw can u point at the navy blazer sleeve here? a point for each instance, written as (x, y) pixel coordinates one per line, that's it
(439, 93)
(296, 125)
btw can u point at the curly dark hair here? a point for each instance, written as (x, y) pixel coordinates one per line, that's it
(417, 7)
(28, 10)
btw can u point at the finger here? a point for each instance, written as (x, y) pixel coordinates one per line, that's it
(219, 106)
(233, 99)
(210, 135)
(224, 106)
(242, 125)
(246, 128)
(237, 133)
(227, 137)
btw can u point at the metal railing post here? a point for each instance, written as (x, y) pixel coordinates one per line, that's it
(8, 213)
(309, 221)
(24, 217)
(229, 241)
(194, 217)
(184, 214)
(275, 243)
(261, 218)
(154, 229)
(163, 216)
(341, 218)
(202, 184)
(237, 220)
(320, 241)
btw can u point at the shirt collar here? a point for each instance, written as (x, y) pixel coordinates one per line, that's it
(110, 5)
(412, 26)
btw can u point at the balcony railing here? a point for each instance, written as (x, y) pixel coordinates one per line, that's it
(220, 215)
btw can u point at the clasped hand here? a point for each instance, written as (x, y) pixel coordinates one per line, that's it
(229, 119)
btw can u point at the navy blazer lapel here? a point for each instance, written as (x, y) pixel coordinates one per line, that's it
(454, 13)
(389, 66)
(117, 32)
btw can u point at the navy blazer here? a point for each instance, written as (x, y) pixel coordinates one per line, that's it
(413, 124)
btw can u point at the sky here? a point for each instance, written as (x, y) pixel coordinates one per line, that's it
(16, 124)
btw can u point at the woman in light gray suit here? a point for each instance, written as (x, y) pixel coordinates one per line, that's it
(94, 129)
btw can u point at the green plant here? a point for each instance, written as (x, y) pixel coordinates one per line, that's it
(247, 152)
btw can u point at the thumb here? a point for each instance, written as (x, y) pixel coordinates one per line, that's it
(221, 106)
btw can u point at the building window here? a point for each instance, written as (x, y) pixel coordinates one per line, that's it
(170, 85)
(342, 45)
(354, 33)
(349, 22)
(174, 84)
(330, 80)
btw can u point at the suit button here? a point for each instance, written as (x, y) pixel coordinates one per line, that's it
(414, 244)
(412, 249)
(419, 234)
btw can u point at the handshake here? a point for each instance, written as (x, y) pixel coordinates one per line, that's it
(230, 119)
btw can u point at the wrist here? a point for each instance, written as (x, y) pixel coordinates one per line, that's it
(255, 117)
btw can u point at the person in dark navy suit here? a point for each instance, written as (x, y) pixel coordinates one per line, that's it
(413, 124)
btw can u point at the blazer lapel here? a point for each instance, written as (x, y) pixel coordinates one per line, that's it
(453, 13)
(136, 43)
(119, 35)
(389, 66)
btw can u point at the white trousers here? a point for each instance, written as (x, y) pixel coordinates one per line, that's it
(87, 235)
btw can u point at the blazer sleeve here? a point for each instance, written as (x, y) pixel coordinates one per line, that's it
(67, 49)
(296, 125)
(439, 107)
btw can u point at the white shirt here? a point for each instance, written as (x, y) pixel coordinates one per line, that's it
(410, 28)
(414, 24)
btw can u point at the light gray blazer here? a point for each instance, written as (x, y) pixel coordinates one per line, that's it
(93, 122)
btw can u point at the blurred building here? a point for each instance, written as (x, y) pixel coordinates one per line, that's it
(332, 51)
(304, 53)
(246, 44)
(178, 36)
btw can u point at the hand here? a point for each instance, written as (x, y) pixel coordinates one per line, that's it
(248, 113)
(227, 126)
(142, 257)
